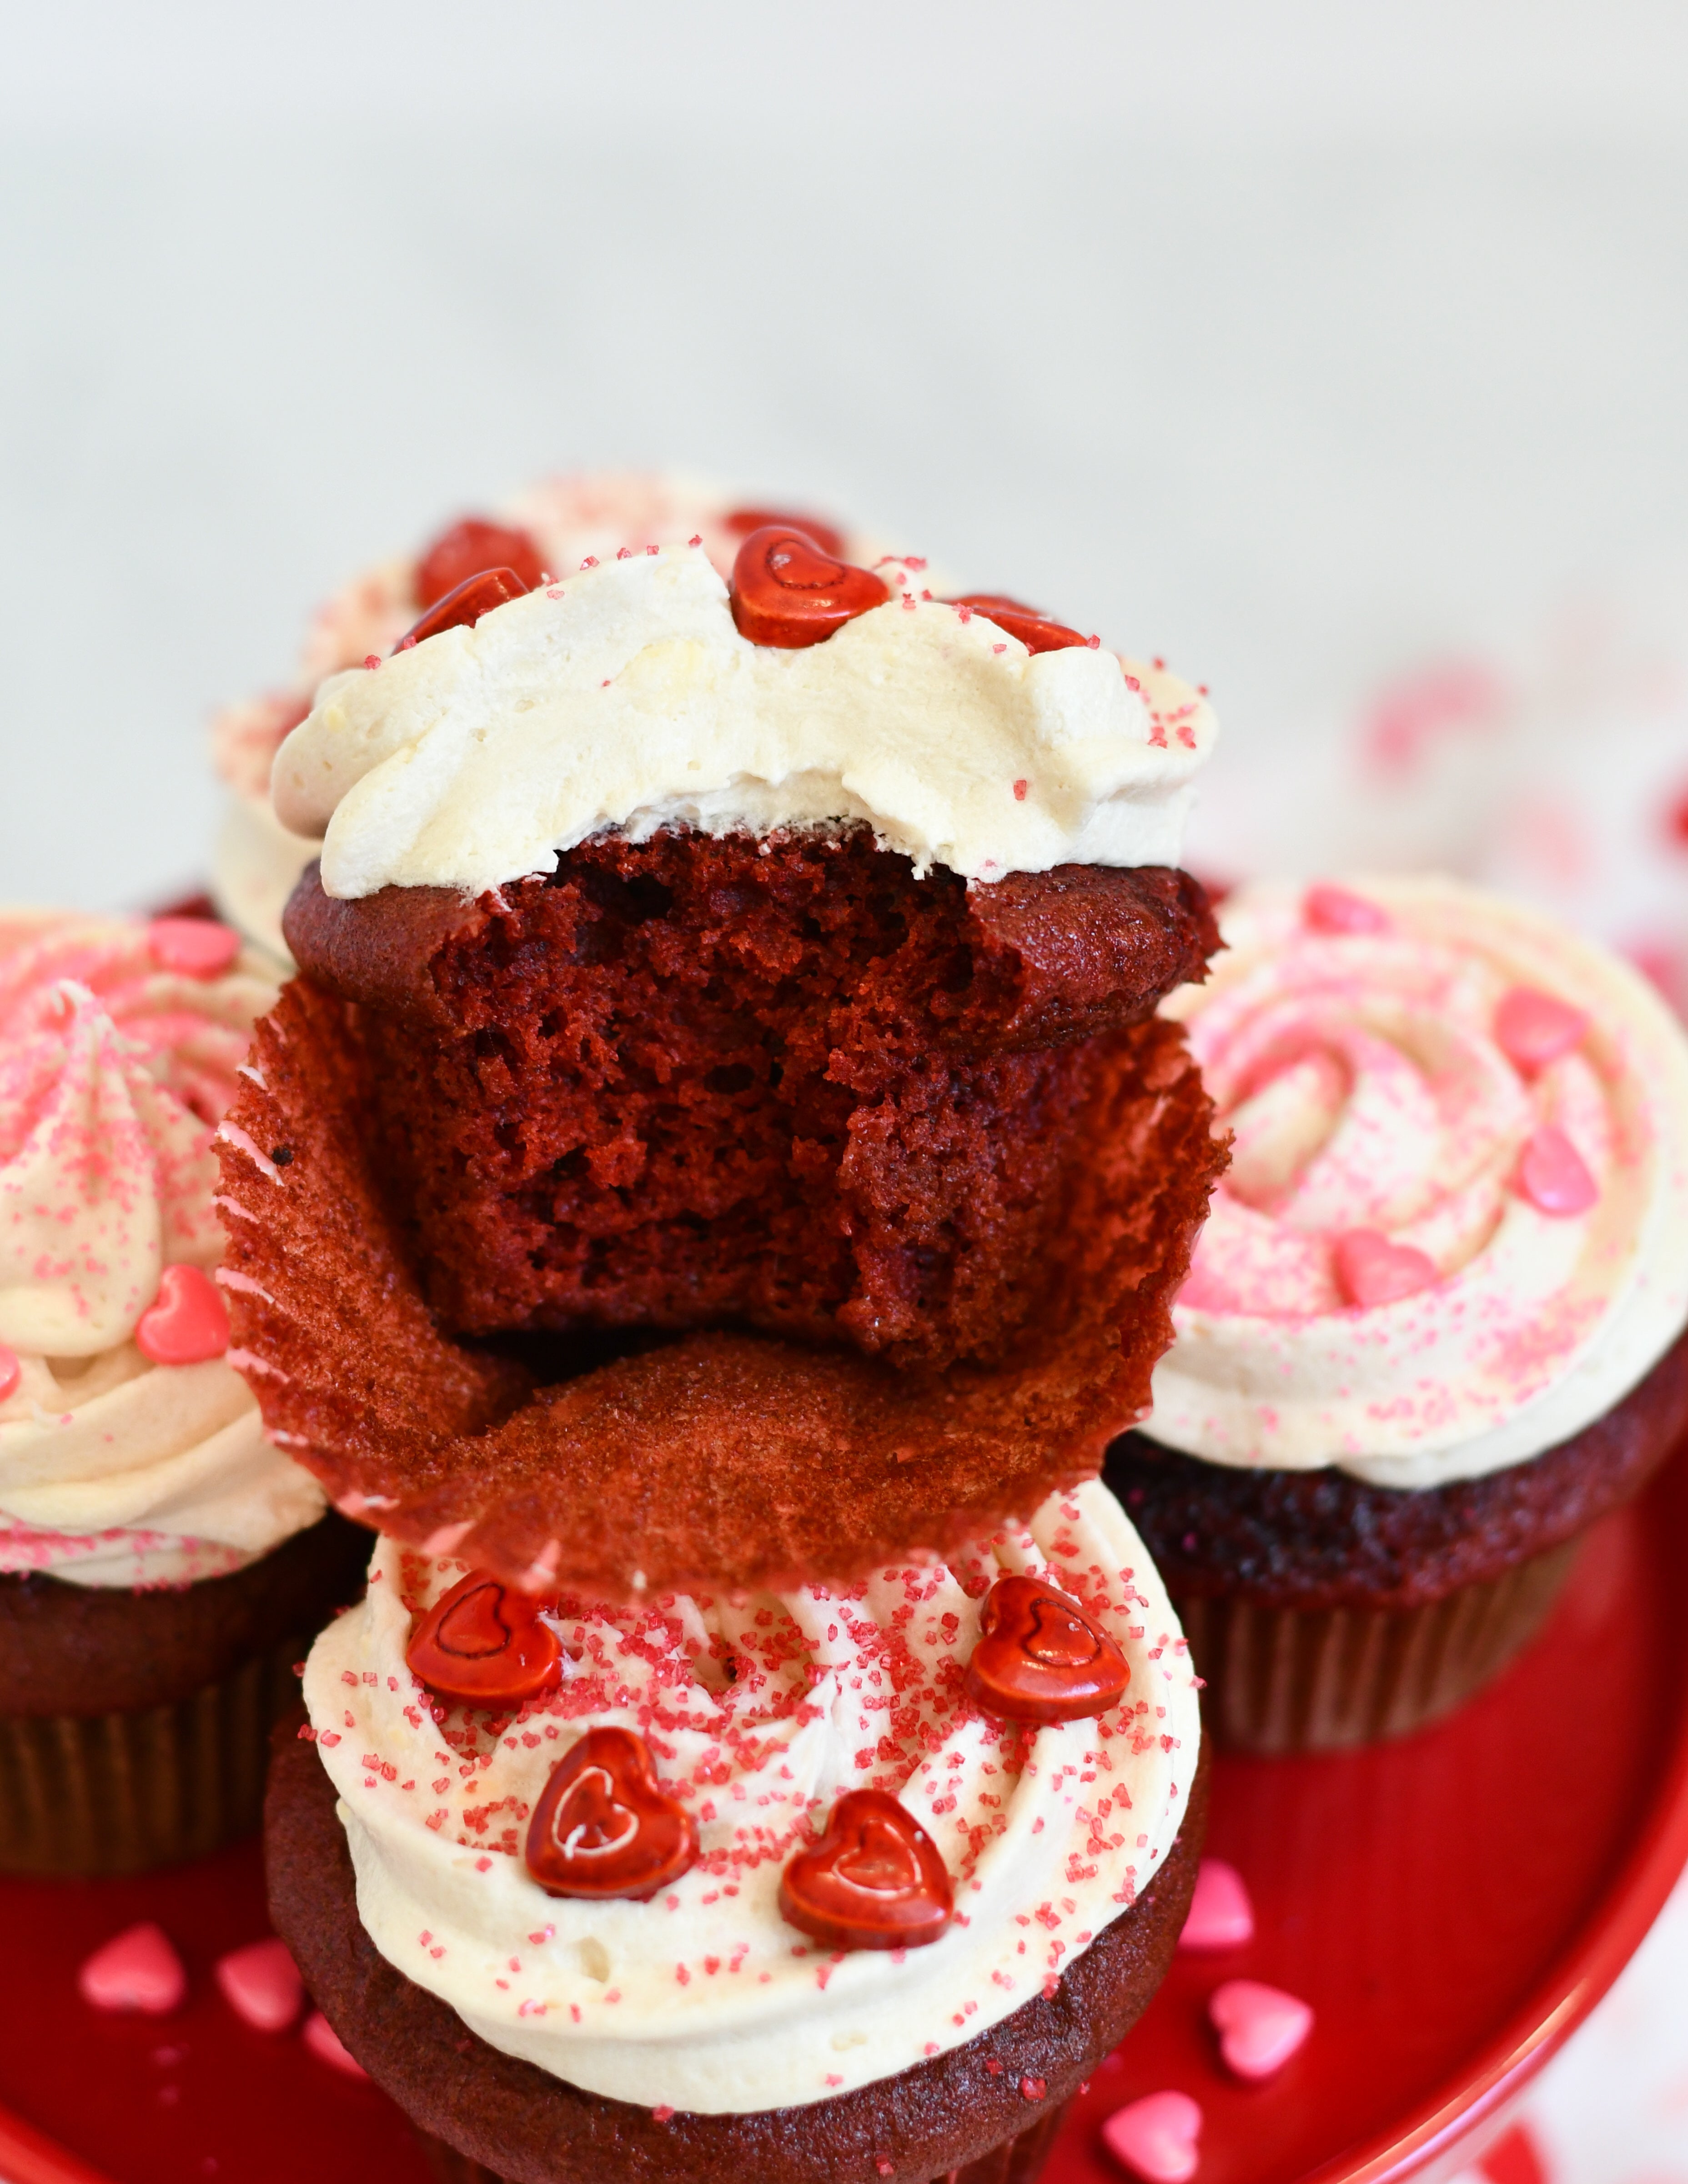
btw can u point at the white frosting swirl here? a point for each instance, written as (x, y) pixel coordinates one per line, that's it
(704, 1999)
(1385, 1283)
(114, 1070)
(625, 700)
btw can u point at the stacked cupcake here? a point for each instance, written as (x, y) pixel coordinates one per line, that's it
(717, 1185)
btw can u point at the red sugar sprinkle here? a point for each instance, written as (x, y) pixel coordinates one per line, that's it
(1020, 789)
(371, 659)
(1033, 2089)
(661, 2113)
(696, 539)
(993, 2066)
(999, 647)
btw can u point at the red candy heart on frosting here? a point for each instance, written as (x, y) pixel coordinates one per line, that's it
(483, 1643)
(604, 1825)
(1329, 908)
(875, 1881)
(193, 947)
(462, 609)
(1035, 631)
(1157, 2138)
(1553, 1175)
(188, 1322)
(470, 548)
(788, 592)
(1041, 1658)
(1533, 1029)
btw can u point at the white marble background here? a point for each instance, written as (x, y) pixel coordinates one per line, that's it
(1338, 352)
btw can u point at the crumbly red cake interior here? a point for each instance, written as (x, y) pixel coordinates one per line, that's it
(696, 1082)
(713, 1458)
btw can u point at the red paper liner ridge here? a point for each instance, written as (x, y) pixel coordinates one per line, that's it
(715, 1459)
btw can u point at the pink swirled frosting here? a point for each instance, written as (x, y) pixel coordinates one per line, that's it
(1454, 1230)
(119, 1045)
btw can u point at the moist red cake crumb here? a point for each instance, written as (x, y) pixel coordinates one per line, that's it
(718, 1458)
(698, 1081)
(1319, 1540)
(931, 2120)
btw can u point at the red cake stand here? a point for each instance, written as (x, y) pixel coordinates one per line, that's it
(1452, 1906)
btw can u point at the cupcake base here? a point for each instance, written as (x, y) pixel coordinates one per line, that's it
(949, 2117)
(134, 1726)
(1324, 1613)
(1019, 2161)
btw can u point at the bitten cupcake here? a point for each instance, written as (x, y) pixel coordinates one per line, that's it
(743, 953)
(161, 1563)
(1434, 1327)
(818, 1888)
(554, 525)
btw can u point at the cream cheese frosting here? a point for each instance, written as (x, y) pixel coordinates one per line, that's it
(624, 699)
(115, 1070)
(704, 1999)
(1454, 1230)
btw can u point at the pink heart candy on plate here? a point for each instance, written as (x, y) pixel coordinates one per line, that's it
(261, 1984)
(324, 2042)
(187, 1322)
(1372, 1271)
(1157, 2138)
(1220, 1915)
(137, 1969)
(1259, 2027)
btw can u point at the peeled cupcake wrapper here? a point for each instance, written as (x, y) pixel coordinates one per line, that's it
(715, 1459)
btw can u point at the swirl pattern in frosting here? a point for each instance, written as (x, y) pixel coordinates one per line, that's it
(1454, 1229)
(761, 1713)
(116, 1066)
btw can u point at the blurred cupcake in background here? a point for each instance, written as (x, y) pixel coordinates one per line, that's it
(551, 527)
(161, 1563)
(1434, 1328)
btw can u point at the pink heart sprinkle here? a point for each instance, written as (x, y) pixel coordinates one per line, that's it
(1220, 1915)
(1334, 910)
(195, 947)
(1371, 1271)
(137, 1969)
(11, 1372)
(1156, 2137)
(324, 2042)
(260, 1983)
(1259, 2027)
(187, 1322)
(1533, 1029)
(1552, 1175)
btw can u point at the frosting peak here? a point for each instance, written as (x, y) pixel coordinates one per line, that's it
(624, 699)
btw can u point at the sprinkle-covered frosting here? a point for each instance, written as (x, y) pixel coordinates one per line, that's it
(1454, 1228)
(623, 699)
(118, 1045)
(760, 1712)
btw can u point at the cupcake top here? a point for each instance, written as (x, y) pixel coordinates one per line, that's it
(130, 1451)
(1454, 1227)
(759, 1711)
(627, 698)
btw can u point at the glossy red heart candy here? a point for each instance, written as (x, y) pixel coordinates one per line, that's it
(483, 1643)
(471, 548)
(743, 520)
(1041, 1658)
(1035, 631)
(187, 1322)
(462, 608)
(875, 1881)
(788, 591)
(605, 1826)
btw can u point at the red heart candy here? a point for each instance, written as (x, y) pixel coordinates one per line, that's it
(1329, 908)
(471, 548)
(1372, 1271)
(604, 1825)
(1259, 2027)
(261, 1985)
(875, 1881)
(193, 947)
(483, 1643)
(743, 520)
(1157, 2138)
(1041, 1658)
(1220, 1915)
(462, 609)
(1035, 631)
(137, 1969)
(1533, 1029)
(1553, 1175)
(187, 1322)
(788, 592)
